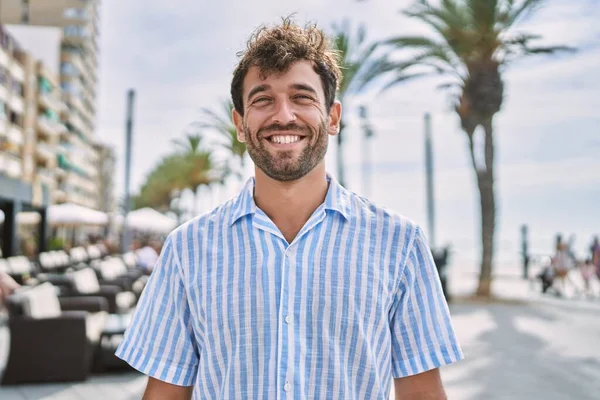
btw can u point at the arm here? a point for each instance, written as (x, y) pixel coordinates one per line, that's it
(159, 390)
(422, 335)
(423, 386)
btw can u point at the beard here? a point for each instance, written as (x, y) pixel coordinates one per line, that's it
(284, 165)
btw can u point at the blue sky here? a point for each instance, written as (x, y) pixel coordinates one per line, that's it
(179, 56)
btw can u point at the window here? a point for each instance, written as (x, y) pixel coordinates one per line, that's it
(70, 88)
(15, 118)
(74, 30)
(75, 13)
(68, 69)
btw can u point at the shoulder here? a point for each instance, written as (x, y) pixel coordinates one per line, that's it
(388, 221)
(190, 233)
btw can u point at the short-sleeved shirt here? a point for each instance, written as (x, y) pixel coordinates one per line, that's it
(236, 311)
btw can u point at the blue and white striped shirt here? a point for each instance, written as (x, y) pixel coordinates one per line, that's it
(239, 313)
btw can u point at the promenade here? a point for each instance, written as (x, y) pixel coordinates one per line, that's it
(523, 346)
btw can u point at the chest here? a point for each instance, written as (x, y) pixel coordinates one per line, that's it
(249, 284)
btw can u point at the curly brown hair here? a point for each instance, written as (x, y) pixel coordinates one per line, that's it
(275, 49)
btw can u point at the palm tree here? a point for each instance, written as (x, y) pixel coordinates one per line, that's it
(361, 65)
(191, 143)
(165, 178)
(220, 122)
(473, 41)
(196, 166)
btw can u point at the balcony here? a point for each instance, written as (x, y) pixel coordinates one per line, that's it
(78, 123)
(45, 127)
(14, 134)
(49, 127)
(17, 105)
(17, 72)
(44, 151)
(76, 35)
(60, 196)
(52, 102)
(10, 165)
(46, 176)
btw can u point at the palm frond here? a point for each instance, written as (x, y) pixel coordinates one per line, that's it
(522, 12)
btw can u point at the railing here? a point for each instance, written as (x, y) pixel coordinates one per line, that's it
(46, 150)
(10, 165)
(46, 174)
(14, 134)
(17, 72)
(17, 104)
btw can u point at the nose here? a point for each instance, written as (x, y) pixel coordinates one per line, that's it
(284, 113)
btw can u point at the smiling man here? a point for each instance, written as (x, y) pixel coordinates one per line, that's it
(297, 288)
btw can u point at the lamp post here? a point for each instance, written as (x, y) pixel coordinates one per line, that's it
(128, 139)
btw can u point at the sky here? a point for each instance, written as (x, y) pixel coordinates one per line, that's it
(179, 57)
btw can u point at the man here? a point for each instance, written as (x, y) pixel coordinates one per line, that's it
(146, 255)
(297, 288)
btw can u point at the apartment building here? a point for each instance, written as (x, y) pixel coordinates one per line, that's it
(63, 34)
(25, 182)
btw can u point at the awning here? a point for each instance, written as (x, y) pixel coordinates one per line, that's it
(74, 214)
(148, 220)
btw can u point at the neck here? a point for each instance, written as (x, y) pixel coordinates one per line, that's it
(290, 204)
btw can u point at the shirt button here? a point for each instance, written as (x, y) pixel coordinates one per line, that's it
(288, 319)
(287, 387)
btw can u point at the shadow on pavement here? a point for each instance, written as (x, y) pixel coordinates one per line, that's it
(509, 363)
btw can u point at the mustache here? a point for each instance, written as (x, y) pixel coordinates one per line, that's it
(288, 127)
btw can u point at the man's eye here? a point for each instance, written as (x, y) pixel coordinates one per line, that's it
(303, 97)
(261, 100)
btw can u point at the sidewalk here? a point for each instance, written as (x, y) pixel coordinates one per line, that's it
(510, 287)
(525, 346)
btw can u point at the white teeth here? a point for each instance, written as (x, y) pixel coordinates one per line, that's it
(285, 139)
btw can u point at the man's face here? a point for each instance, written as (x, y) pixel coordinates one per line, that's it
(286, 123)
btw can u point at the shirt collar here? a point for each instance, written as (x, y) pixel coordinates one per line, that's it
(337, 199)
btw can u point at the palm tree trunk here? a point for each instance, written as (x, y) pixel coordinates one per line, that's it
(485, 183)
(340, 156)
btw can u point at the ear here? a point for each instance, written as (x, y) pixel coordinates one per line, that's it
(335, 117)
(238, 121)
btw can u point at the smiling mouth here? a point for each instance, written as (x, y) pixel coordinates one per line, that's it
(284, 139)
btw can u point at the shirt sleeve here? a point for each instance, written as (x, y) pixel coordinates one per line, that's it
(423, 337)
(160, 340)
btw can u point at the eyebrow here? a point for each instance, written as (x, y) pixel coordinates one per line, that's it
(296, 86)
(306, 88)
(258, 89)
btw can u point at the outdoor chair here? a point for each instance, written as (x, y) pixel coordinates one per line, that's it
(54, 261)
(84, 282)
(114, 271)
(20, 268)
(78, 255)
(49, 341)
(94, 253)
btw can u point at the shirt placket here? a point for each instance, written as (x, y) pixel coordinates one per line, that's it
(285, 383)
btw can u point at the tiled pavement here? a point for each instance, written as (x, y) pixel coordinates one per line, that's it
(543, 348)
